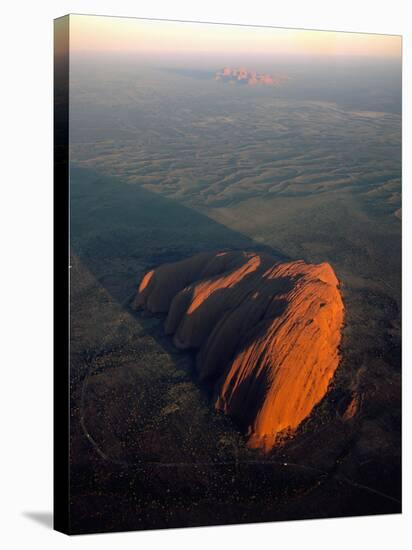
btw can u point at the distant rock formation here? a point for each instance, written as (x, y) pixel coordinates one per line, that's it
(267, 333)
(243, 76)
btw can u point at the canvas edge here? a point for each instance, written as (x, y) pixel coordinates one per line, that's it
(61, 275)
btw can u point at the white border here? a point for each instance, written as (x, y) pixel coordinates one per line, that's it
(26, 269)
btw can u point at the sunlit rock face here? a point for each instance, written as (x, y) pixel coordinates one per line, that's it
(243, 76)
(267, 333)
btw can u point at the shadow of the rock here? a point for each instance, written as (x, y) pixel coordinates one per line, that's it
(119, 230)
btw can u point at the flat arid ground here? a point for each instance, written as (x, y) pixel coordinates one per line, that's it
(167, 163)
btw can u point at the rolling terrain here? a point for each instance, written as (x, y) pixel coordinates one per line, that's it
(168, 164)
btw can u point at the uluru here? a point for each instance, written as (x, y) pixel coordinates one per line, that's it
(266, 333)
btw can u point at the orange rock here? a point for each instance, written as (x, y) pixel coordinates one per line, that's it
(351, 409)
(252, 78)
(267, 333)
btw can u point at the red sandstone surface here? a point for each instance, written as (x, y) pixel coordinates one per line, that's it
(243, 76)
(352, 409)
(267, 333)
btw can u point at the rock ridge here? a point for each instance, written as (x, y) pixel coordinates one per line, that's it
(267, 333)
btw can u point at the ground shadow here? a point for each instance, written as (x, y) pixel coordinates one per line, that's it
(42, 518)
(116, 227)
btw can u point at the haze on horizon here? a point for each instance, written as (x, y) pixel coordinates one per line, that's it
(101, 34)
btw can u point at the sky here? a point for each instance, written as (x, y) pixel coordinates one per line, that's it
(92, 34)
